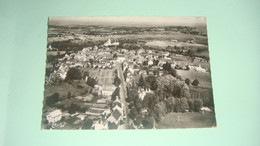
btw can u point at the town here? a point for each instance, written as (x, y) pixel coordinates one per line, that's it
(100, 77)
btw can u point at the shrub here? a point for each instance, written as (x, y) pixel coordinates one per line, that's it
(195, 82)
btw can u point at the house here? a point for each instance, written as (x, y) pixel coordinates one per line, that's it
(54, 116)
(100, 125)
(199, 68)
(115, 118)
(140, 51)
(118, 108)
(108, 90)
(150, 62)
(108, 43)
(117, 103)
(95, 48)
(81, 117)
(120, 58)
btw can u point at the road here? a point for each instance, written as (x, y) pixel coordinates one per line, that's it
(123, 93)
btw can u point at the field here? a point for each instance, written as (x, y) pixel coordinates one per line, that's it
(204, 78)
(172, 43)
(105, 77)
(54, 53)
(187, 120)
(63, 88)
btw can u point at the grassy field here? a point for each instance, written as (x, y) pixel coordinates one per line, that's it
(187, 120)
(105, 77)
(63, 88)
(204, 78)
(171, 43)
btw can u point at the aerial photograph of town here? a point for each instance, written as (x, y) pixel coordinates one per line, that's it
(126, 72)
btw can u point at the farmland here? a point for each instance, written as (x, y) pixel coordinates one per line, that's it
(187, 120)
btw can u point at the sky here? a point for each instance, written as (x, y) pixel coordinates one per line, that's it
(129, 21)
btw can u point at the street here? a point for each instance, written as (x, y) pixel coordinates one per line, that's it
(123, 94)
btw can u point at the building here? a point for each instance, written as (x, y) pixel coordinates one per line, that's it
(100, 125)
(120, 58)
(115, 118)
(108, 43)
(108, 90)
(54, 116)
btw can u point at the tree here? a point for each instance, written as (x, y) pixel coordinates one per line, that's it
(153, 85)
(152, 82)
(91, 82)
(150, 99)
(177, 105)
(145, 63)
(115, 56)
(170, 104)
(68, 95)
(159, 111)
(184, 104)
(115, 93)
(73, 108)
(117, 81)
(138, 105)
(87, 124)
(85, 74)
(91, 61)
(187, 81)
(155, 62)
(132, 94)
(197, 104)
(73, 74)
(179, 77)
(173, 72)
(176, 91)
(133, 113)
(51, 100)
(138, 120)
(148, 122)
(141, 81)
(195, 82)
(191, 104)
(167, 66)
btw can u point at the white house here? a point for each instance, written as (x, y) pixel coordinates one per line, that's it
(108, 90)
(150, 62)
(120, 58)
(54, 116)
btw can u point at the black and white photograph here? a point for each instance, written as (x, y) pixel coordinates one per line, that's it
(127, 72)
